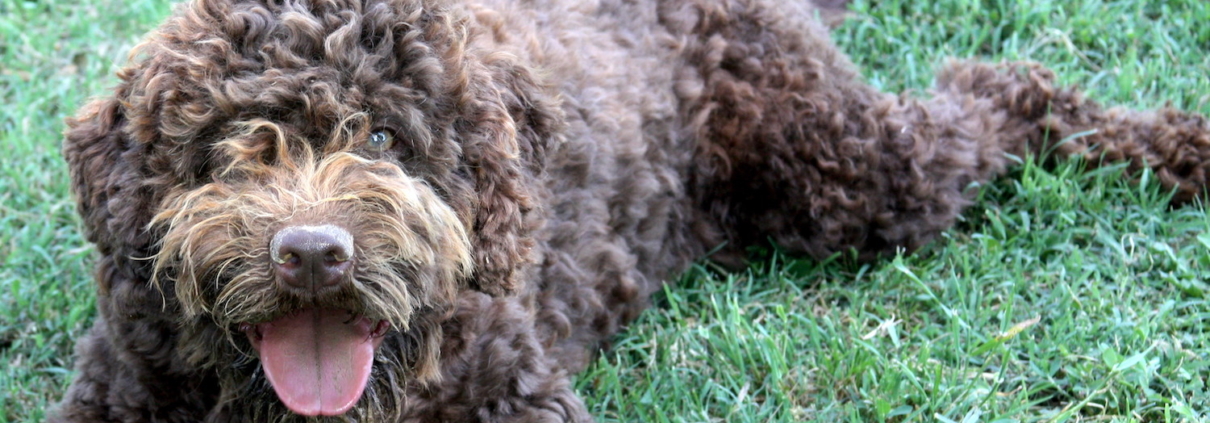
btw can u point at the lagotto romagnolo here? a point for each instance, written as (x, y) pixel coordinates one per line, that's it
(431, 210)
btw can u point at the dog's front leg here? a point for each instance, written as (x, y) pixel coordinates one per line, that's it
(494, 368)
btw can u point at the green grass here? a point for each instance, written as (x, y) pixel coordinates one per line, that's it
(1061, 296)
(53, 55)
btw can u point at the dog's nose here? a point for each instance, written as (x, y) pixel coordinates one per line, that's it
(312, 257)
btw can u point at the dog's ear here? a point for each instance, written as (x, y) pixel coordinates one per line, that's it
(125, 149)
(107, 185)
(505, 159)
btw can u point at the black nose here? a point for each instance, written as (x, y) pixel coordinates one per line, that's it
(312, 257)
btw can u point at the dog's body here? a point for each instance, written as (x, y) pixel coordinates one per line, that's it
(502, 185)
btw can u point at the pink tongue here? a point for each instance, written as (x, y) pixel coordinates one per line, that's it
(317, 360)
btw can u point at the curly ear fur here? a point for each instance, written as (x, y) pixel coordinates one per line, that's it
(505, 152)
(109, 189)
(115, 200)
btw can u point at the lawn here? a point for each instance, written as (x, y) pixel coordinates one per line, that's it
(1063, 295)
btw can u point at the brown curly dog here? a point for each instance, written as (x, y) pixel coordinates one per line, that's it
(429, 210)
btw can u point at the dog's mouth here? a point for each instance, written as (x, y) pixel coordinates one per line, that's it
(317, 359)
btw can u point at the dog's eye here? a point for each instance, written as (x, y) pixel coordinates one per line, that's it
(380, 140)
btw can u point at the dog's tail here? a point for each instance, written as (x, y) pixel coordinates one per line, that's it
(1048, 121)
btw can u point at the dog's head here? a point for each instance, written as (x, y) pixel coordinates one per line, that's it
(308, 185)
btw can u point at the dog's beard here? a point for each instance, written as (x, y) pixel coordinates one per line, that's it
(412, 251)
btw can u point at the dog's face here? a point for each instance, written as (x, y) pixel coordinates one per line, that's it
(315, 259)
(308, 187)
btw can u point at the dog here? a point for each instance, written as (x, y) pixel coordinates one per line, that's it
(432, 210)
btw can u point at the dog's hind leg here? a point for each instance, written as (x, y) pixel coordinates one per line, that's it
(792, 147)
(1172, 143)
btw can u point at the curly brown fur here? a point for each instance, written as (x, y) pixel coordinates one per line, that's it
(553, 164)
